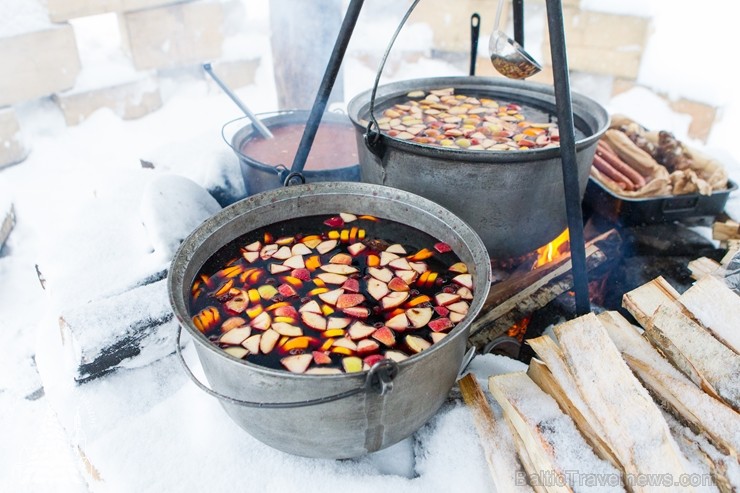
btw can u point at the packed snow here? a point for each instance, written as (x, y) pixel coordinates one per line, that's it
(91, 225)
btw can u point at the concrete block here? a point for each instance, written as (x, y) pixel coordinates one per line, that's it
(236, 73)
(12, 148)
(173, 36)
(702, 115)
(38, 63)
(128, 100)
(64, 10)
(603, 43)
(603, 61)
(450, 22)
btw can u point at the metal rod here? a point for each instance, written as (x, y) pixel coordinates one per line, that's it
(518, 14)
(568, 154)
(261, 128)
(327, 83)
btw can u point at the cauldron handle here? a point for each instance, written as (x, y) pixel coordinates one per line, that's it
(379, 380)
(373, 138)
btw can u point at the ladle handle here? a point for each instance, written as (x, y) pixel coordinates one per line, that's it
(474, 35)
(499, 10)
(379, 379)
(261, 128)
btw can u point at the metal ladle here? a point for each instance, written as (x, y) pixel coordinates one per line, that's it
(258, 125)
(508, 56)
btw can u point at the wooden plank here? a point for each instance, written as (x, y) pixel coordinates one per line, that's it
(497, 448)
(552, 376)
(717, 308)
(716, 421)
(692, 349)
(633, 424)
(550, 437)
(642, 302)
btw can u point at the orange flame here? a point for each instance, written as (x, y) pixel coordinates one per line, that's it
(552, 250)
(519, 329)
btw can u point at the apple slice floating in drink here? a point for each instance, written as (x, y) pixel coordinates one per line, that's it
(334, 300)
(377, 288)
(297, 363)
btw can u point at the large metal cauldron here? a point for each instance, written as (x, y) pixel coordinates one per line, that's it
(367, 420)
(259, 176)
(513, 199)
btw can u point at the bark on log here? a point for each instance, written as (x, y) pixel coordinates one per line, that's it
(521, 295)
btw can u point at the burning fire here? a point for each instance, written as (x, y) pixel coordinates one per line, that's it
(519, 329)
(552, 250)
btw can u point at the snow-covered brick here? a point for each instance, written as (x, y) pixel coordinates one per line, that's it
(12, 147)
(128, 330)
(63, 10)
(236, 73)
(53, 67)
(173, 36)
(604, 43)
(171, 208)
(128, 100)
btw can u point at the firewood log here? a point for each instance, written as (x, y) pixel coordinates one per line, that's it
(551, 440)
(717, 308)
(552, 376)
(705, 414)
(692, 349)
(642, 302)
(633, 423)
(496, 440)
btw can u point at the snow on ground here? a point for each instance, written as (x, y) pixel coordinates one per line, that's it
(80, 235)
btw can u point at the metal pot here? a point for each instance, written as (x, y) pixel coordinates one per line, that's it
(259, 176)
(513, 199)
(330, 416)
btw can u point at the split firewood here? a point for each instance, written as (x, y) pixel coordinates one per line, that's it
(553, 376)
(693, 350)
(552, 443)
(703, 266)
(728, 230)
(723, 470)
(717, 308)
(703, 413)
(642, 302)
(632, 422)
(496, 440)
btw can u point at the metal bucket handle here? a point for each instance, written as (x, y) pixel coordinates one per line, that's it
(372, 137)
(379, 380)
(282, 172)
